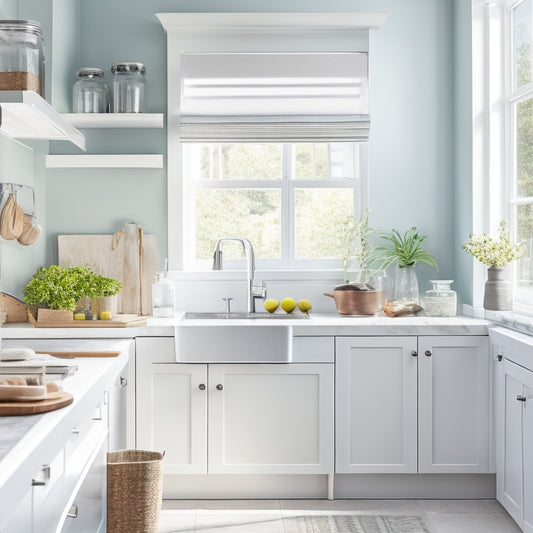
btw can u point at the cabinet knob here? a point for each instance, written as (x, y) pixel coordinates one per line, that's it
(521, 398)
(123, 382)
(73, 512)
(201, 386)
(45, 477)
(220, 386)
(414, 353)
(427, 353)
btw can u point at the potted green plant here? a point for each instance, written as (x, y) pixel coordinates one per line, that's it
(405, 251)
(104, 296)
(357, 248)
(496, 254)
(56, 290)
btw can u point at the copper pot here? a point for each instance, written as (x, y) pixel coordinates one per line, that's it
(357, 302)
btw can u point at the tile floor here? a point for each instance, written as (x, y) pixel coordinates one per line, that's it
(265, 516)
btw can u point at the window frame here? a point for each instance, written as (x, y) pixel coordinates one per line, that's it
(514, 97)
(287, 185)
(493, 110)
(249, 32)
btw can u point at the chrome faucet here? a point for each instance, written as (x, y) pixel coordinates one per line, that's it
(254, 290)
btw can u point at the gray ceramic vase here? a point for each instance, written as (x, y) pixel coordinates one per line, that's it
(498, 293)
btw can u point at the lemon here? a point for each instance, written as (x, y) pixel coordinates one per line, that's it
(288, 305)
(271, 305)
(304, 306)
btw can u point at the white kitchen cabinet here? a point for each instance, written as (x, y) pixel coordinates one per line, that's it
(408, 404)
(376, 405)
(236, 418)
(171, 406)
(58, 480)
(453, 404)
(515, 443)
(270, 419)
(19, 519)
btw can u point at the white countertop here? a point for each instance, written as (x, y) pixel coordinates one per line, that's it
(22, 437)
(316, 325)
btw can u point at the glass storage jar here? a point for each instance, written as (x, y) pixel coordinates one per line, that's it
(21, 56)
(129, 87)
(440, 300)
(89, 94)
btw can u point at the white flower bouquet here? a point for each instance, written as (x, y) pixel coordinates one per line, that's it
(494, 252)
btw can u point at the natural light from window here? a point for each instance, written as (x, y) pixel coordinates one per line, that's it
(292, 201)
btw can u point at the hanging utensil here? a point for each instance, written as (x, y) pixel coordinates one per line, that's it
(31, 229)
(12, 217)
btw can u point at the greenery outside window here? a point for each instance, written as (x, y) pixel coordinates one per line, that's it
(519, 112)
(291, 200)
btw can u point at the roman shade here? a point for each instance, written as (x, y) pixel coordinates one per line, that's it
(274, 97)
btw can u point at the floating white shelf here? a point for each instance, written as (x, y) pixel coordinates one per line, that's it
(105, 161)
(25, 115)
(114, 120)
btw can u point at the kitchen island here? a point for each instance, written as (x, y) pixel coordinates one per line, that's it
(46, 458)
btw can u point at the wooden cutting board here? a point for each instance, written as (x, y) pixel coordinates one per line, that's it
(119, 259)
(16, 310)
(55, 401)
(123, 321)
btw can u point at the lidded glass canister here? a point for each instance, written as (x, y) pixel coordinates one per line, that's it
(89, 94)
(129, 87)
(441, 300)
(21, 56)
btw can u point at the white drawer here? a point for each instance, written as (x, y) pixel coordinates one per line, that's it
(313, 350)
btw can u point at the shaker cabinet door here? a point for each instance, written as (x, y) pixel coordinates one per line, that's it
(454, 404)
(376, 405)
(171, 407)
(515, 444)
(271, 419)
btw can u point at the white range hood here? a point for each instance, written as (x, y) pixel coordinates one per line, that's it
(25, 115)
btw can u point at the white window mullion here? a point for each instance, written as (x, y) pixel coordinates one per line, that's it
(287, 207)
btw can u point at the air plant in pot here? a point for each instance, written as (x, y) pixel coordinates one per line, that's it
(405, 251)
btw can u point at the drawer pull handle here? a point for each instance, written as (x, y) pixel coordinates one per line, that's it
(73, 512)
(123, 382)
(46, 477)
(220, 386)
(521, 398)
(201, 386)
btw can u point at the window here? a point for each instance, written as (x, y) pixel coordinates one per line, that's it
(519, 111)
(291, 200)
(267, 127)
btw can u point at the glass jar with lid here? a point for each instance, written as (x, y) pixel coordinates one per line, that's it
(21, 56)
(89, 94)
(441, 300)
(129, 87)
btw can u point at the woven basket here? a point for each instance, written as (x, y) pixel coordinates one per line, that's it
(134, 491)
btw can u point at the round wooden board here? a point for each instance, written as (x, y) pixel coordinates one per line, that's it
(54, 401)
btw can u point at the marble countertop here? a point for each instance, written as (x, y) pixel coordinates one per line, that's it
(316, 325)
(23, 438)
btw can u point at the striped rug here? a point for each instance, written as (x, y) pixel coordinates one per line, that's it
(354, 524)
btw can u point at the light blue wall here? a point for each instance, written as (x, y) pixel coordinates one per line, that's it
(463, 193)
(413, 172)
(19, 164)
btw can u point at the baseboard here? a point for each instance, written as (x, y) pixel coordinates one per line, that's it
(346, 486)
